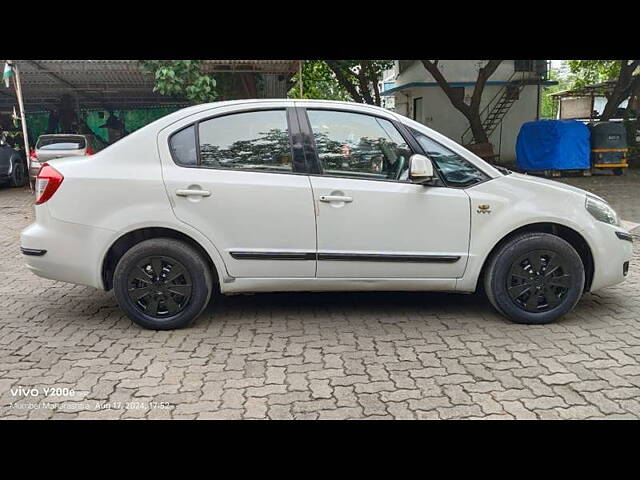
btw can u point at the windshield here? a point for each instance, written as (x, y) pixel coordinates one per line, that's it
(71, 142)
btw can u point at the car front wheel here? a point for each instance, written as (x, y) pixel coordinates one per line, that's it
(534, 278)
(18, 176)
(162, 283)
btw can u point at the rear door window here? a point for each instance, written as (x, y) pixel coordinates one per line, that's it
(61, 143)
(247, 141)
(183, 147)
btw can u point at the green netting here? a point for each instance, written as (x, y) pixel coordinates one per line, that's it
(37, 123)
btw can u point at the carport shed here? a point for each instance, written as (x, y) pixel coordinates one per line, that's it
(89, 91)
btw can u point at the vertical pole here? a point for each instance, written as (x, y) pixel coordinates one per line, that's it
(300, 77)
(78, 113)
(23, 118)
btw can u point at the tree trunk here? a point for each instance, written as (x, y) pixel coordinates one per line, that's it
(634, 99)
(621, 90)
(472, 110)
(344, 81)
(479, 135)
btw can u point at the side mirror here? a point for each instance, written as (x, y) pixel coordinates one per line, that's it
(420, 169)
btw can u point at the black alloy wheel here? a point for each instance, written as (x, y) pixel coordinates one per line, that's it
(160, 286)
(163, 283)
(538, 280)
(534, 278)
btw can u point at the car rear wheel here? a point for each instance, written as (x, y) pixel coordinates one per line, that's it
(162, 284)
(534, 278)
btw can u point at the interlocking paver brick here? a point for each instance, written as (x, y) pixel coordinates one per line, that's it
(333, 356)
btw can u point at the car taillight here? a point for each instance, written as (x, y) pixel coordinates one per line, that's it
(32, 155)
(47, 182)
(89, 151)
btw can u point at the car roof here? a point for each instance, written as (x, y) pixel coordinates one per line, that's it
(283, 102)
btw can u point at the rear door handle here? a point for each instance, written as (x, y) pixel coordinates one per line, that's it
(336, 198)
(195, 193)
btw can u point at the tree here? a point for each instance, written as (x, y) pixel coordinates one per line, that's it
(548, 104)
(317, 82)
(182, 78)
(470, 110)
(621, 72)
(355, 80)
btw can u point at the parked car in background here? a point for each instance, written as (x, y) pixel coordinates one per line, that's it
(13, 166)
(52, 146)
(307, 195)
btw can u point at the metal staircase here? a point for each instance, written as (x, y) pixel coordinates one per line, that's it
(498, 107)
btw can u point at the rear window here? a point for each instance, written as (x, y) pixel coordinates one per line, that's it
(61, 143)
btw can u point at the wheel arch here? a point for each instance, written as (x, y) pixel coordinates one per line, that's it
(120, 246)
(571, 236)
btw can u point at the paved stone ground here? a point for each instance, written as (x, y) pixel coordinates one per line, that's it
(308, 356)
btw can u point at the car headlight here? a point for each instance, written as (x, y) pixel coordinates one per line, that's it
(601, 211)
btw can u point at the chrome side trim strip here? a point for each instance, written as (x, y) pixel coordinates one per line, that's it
(349, 257)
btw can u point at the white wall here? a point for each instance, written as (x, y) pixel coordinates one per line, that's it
(440, 115)
(455, 71)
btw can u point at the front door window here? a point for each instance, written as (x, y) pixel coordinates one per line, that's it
(359, 146)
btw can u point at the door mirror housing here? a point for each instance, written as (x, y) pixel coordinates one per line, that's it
(420, 169)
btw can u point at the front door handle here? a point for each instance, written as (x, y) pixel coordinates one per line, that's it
(336, 198)
(194, 193)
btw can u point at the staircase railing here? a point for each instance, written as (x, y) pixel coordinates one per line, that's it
(485, 113)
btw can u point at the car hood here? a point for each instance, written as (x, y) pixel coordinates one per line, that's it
(518, 177)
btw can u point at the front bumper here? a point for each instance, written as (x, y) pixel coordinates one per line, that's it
(612, 250)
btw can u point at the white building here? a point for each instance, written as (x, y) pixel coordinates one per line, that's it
(511, 97)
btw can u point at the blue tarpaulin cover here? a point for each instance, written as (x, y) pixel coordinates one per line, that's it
(553, 145)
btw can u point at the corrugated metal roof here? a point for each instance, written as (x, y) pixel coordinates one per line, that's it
(117, 84)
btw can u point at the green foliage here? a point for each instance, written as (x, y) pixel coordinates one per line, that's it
(182, 78)
(549, 105)
(586, 72)
(355, 80)
(318, 81)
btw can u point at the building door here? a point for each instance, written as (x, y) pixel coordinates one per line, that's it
(417, 110)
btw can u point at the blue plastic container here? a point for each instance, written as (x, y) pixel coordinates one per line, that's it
(553, 145)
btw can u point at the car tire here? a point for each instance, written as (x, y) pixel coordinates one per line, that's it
(18, 175)
(534, 278)
(618, 171)
(162, 283)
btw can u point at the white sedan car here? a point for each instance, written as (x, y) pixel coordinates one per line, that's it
(303, 195)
